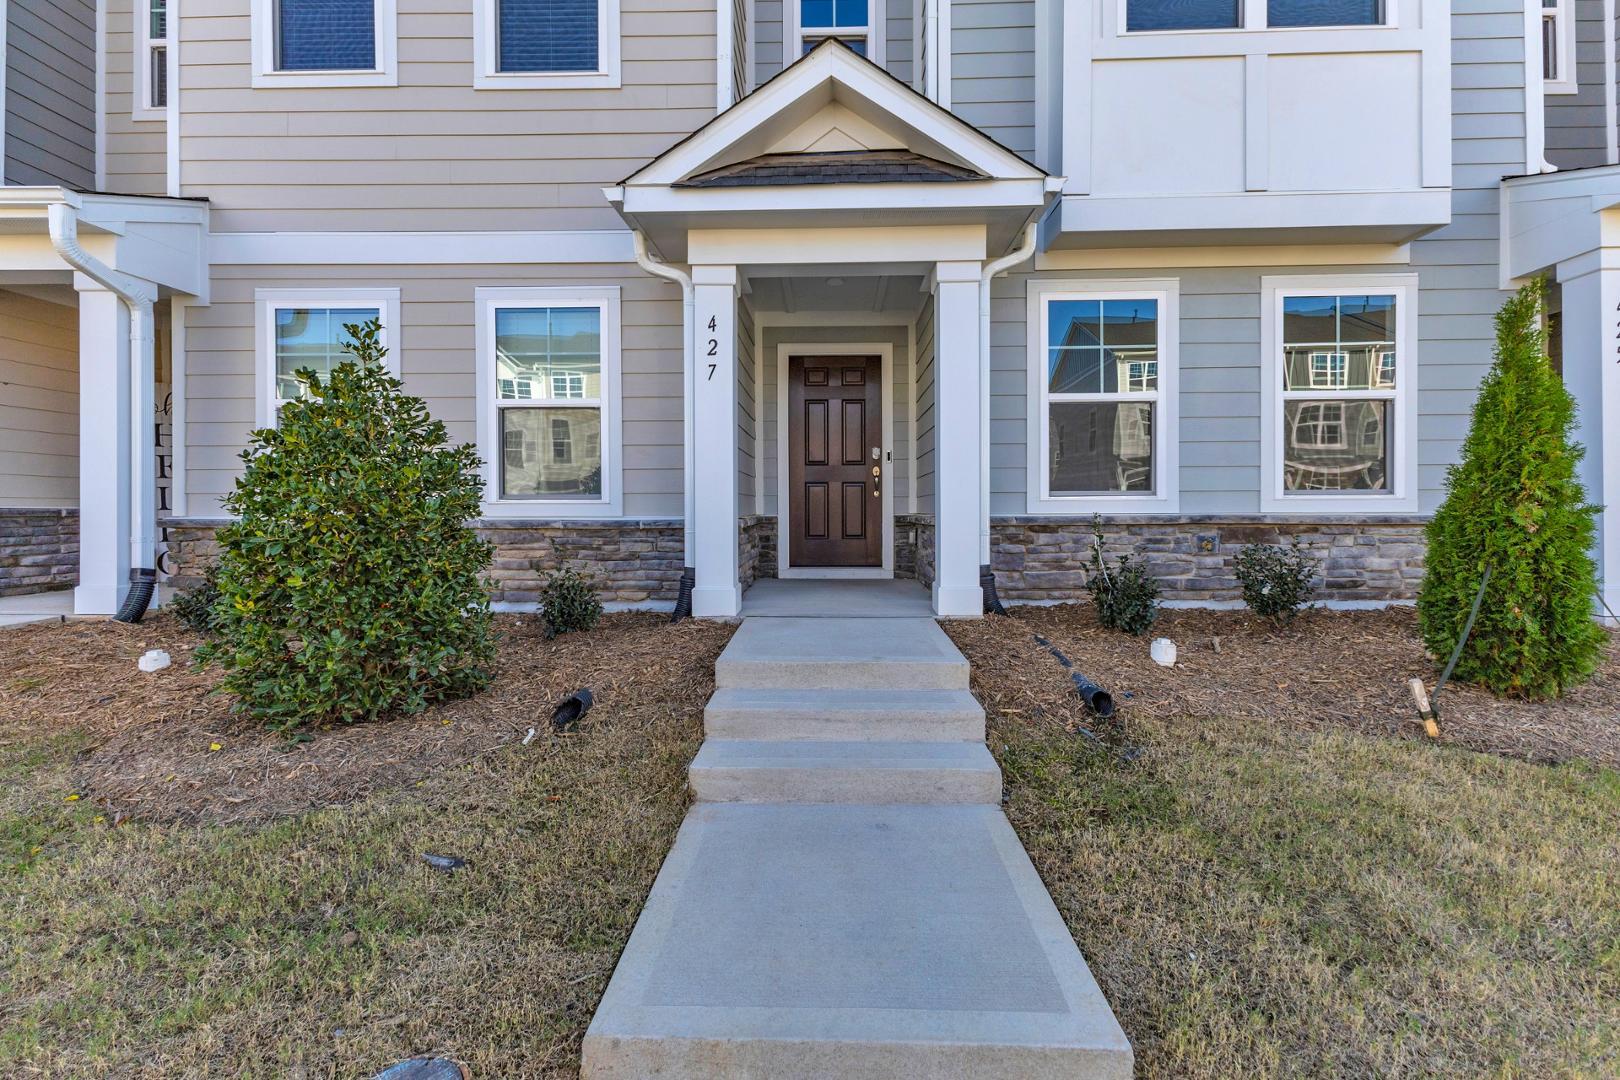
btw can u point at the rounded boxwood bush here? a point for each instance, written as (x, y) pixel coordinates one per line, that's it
(1514, 504)
(351, 586)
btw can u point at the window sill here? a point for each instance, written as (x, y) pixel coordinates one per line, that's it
(383, 77)
(499, 509)
(1347, 505)
(544, 80)
(1086, 505)
(1559, 87)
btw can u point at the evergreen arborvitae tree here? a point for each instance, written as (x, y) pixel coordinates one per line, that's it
(1514, 504)
(350, 585)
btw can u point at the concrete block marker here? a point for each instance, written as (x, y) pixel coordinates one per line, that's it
(847, 899)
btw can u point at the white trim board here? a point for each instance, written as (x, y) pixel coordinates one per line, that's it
(412, 248)
(784, 350)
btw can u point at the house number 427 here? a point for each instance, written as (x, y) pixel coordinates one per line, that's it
(714, 344)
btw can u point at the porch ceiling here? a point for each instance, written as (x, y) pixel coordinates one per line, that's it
(831, 292)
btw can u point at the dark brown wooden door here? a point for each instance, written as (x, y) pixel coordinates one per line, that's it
(836, 470)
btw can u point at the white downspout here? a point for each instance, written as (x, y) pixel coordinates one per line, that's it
(991, 269)
(1535, 96)
(138, 296)
(689, 470)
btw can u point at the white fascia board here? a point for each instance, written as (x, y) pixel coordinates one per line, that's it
(1261, 210)
(839, 198)
(407, 248)
(833, 64)
(782, 247)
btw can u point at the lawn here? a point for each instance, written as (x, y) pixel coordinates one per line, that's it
(274, 915)
(1282, 881)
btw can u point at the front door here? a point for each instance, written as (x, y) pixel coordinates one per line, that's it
(835, 461)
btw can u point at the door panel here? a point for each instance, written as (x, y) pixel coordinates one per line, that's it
(835, 467)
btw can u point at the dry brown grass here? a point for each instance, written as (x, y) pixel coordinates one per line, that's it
(1268, 885)
(307, 937)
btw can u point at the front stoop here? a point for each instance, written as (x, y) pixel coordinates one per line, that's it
(847, 899)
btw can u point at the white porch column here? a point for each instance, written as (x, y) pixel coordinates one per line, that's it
(1591, 322)
(104, 450)
(956, 437)
(717, 593)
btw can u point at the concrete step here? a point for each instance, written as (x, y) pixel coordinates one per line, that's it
(735, 770)
(794, 942)
(847, 715)
(841, 654)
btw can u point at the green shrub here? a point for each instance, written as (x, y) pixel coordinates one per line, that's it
(1514, 504)
(198, 608)
(568, 602)
(1126, 597)
(1276, 581)
(352, 586)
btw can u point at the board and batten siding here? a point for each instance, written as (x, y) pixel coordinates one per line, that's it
(50, 92)
(1220, 330)
(1576, 123)
(39, 402)
(433, 152)
(137, 150)
(993, 69)
(436, 349)
(771, 338)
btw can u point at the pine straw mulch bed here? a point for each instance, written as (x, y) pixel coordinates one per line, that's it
(151, 737)
(1329, 669)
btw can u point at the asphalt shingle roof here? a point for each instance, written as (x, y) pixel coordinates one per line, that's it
(833, 167)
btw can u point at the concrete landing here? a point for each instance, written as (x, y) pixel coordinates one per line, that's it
(812, 598)
(835, 654)
(852, 941)
(54, 606)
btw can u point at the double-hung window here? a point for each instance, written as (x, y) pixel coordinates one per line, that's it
(1558, 47)
(548, 377)
(308, 329)
(324, 42)
(1102, 392)
(150, 92)
(535, 44)
(856, 23)
(1151, 15)
(1339, 399)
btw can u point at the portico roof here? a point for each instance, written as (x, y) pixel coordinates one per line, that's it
(833, 140)
(158, 239)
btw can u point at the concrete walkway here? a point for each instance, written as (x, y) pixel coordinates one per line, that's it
(36, 607)
(846, 898)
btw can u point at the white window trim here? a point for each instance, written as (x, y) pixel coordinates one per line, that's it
(1166, 496)
(794, 32)
(605, 298)
(1563, 18)
(1252, 18)
(267, 302)
(1404, 496)
(385, 32)
(486, 55)
(140, 91)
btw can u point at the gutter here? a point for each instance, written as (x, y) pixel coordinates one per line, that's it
(683, 605)
(991, 269)
(138, 296)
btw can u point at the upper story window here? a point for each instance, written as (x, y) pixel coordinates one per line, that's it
(150, 91)
(324, 42)
(1103, 375)
(1558, 47)
(1339, 405)
(856, 23)
(548, 378)
(535, 44)
(301, 329)
(1150, 15)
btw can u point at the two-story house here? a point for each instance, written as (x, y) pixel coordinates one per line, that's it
(805, 287)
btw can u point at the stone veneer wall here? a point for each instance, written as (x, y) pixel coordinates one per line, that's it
(39, 550)
(632, 561)
(914, 547)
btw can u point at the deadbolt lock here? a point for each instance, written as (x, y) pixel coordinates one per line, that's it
(876, 471)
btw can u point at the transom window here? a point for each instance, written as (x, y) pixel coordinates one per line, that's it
(546, 43)
(1339, 394)
(548, 367)
(1151, 15)
(1102, 392)
(309, 330)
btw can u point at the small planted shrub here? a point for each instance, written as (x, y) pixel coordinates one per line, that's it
(1515, 505)
(1276, 581)
(351, 586)
(1126, 596)
(198, 608)
(568, 602)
